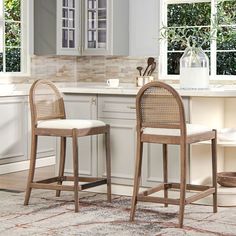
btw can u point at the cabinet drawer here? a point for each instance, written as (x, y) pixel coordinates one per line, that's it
(116, 107)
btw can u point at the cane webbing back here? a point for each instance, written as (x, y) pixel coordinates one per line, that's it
(46, 101)
(159, 106)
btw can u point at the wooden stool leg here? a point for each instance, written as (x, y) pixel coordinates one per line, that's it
(182, 184)
(165, 170)
(137, 177)
(214, 171)
(108, 164)
(76, 168)
(34, 143)
(62, 163)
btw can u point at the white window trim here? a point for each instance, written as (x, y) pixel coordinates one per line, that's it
(163, 44)
(25, 42)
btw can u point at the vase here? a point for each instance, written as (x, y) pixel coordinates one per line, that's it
(194, 69)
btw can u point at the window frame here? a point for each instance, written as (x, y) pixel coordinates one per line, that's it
(24, 47)
(163, 73)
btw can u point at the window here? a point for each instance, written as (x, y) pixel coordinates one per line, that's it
(13, 50)
(198, 16)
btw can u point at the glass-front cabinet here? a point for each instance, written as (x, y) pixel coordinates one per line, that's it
(68, 33)
(81, 27)
(96, 33)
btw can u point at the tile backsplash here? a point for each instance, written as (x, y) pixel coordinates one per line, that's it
(86, 68)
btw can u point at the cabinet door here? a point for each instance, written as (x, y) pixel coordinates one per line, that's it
(106, 27)
(68, 27)
(122, 144)
(118, 112)
(96, 33)
(13, 136)
(82, 107)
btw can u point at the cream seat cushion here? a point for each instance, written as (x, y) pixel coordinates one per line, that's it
(69, 124)
(191, 129)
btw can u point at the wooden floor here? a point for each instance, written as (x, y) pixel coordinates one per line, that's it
(17, 181)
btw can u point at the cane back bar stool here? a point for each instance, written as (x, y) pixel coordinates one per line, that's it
(161, 119)
(48, 118)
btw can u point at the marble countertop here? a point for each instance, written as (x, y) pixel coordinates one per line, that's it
(131, 89)
(123, 89)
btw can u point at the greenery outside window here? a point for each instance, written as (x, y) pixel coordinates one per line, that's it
(13, 37)
(198, 15)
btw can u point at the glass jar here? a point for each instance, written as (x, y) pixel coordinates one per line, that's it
(194, 69)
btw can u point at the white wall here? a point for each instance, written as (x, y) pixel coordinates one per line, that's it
(144, 25)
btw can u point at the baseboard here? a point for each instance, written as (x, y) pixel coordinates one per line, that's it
(24, 165)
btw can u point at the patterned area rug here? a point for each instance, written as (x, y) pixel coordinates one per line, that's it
(48, 215)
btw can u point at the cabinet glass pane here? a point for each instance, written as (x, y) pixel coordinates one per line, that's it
(102, 39)
(64, 23)
(102, 14)
(64, 38)
(65, 13)
(92, 39)
(102, 24)
(71, 3)
(92, 4)
(102, 3)
(65, 3)
(92, 15)
(91, 24)
(71, 18)
(71, 38)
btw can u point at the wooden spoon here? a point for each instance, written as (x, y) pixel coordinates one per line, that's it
(153, 67)
(149, 62)
(140, 68)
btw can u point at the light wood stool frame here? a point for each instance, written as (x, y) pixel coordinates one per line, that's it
(159, 106)
(56, 110)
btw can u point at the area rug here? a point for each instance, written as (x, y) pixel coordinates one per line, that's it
(49, 215)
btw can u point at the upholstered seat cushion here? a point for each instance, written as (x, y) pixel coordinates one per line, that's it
(191, 129)
(70, 124)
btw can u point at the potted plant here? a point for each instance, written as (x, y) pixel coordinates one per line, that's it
(194, 63)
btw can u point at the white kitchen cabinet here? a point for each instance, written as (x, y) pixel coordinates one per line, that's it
(82, 107)
(15, 132)
(81, 27)
(13, 136)
(57, 27)
(68, 27)
(106, 27)
(119, 113)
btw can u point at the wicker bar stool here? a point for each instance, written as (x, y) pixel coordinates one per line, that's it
(161, 119)
(48, 118)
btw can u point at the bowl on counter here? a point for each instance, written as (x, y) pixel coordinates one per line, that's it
(226, 179)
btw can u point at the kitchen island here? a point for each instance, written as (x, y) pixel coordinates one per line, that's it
(116, 106)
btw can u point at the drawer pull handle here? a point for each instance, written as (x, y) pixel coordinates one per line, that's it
(131, 107)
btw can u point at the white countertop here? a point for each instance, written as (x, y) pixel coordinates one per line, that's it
(131, 89)
(124, 89)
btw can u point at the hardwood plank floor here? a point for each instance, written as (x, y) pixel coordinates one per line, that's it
(17, 181)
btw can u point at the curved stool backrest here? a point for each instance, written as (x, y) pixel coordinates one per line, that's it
(46, 102)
